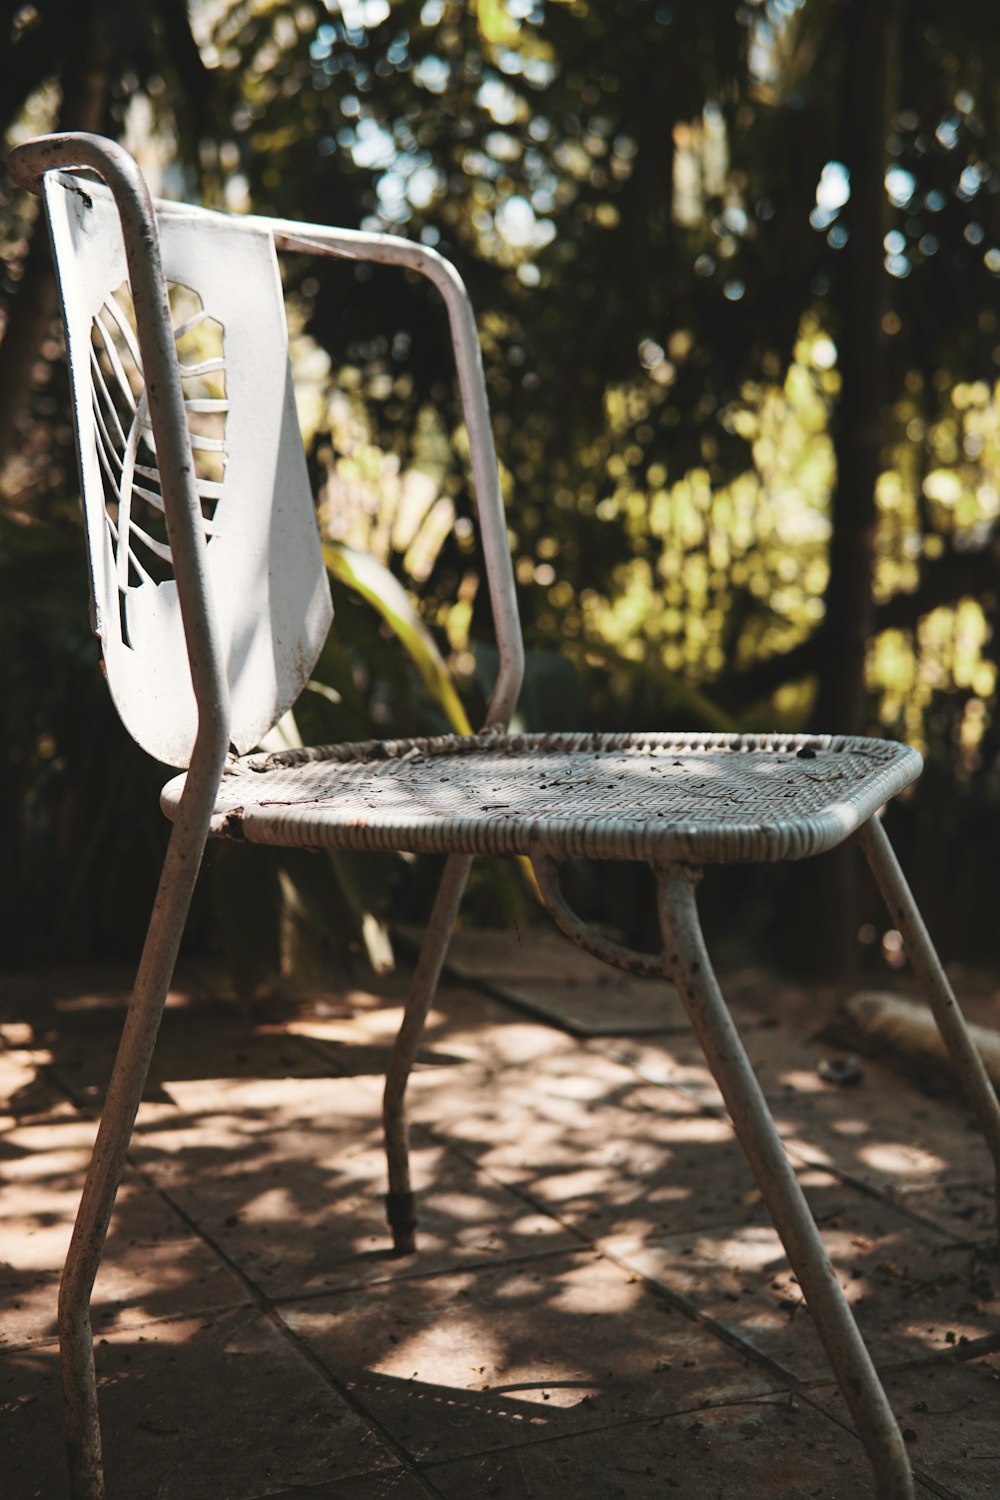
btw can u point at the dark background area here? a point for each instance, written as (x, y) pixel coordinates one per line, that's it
(736, 272)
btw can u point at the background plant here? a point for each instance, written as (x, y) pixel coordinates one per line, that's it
(735, 267)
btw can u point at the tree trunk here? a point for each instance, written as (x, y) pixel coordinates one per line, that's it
(828, 893)
(858, 423)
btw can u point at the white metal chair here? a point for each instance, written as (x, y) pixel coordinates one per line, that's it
(209, 630)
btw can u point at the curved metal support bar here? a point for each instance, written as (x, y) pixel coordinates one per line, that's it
(687, 963)
(647, 965)
(400, 1200)
(388, 249)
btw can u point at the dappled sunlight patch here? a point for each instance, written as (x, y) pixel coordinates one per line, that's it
(378, 1025)
(83, 1003)
(321, 1029)
(661, 1066)
(154, 1263)
(586, 1185)
(803, 1081)
(569, 1334)
(645, 1215)
(702, 1130)
(576, 1297)
(230, 1133)
(704, 1263)
(903, 1281)
(577, 1087)
(25, 1089)
(461, 1207)
(753, 1248)
(30, 1300)
(813, 1176)
(272, 1206)
(512, 1044)
(266, 1103)
(536, 1224)
(851, 1126)
(895, 1159)
(554, 1109)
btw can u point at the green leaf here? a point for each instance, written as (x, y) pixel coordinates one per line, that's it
(363, 573)
(697, 704)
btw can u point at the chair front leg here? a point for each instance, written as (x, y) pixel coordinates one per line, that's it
(400, 1201)
(687, 963)
(128, 1079)
(937, 990)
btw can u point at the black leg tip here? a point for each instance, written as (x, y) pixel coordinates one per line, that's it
(401, 1213)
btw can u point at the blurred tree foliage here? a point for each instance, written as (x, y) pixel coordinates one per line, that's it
(735, 266)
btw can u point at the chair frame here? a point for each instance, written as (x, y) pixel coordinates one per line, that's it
(684, 959)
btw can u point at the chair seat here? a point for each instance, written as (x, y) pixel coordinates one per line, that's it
(708, 799)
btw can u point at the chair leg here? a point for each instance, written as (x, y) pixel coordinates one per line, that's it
(687, 963)
(400, 1201)
(931, 977)
(128, 1079)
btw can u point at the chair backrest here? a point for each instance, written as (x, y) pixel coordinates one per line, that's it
(268, 583)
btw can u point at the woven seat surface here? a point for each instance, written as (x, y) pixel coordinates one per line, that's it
(710, 799)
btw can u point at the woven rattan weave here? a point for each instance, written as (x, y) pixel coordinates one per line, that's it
(710, 799)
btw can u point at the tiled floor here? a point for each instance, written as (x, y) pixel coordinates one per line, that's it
(599, 1307)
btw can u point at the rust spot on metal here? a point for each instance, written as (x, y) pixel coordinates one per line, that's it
(232, 824)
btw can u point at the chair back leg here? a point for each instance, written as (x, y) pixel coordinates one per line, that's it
(940, 996)
(128, 1079)
(687, 963)
(400, 1202)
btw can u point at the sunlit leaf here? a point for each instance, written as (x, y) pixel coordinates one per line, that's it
(386, 594)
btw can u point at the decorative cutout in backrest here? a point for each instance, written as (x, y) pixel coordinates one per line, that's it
(264, 565)
(125, 448)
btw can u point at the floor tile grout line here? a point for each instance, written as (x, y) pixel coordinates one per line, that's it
(270, 1307)
(260, 1299)
(928, 1481)
(527, 1257)
(91, 1113)
(270, 1311)
(804, 1155)
(598, 1045)
(51, 1340)
(320, 1048)
(795, 1385)
(498, 989)
(869, 1190)
(951, 1354)
(684, 1093)
(646, 1419)
(725, 1335)
(689, 1309)
(321, 1490)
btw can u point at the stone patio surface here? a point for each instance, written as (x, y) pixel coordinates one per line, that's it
(599, 1307)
